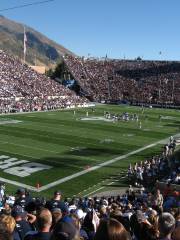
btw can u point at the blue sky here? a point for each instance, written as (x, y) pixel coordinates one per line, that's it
(117, 28)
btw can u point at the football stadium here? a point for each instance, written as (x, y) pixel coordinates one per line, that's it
(89, 146)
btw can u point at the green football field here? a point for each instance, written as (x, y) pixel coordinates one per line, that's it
(78, 152)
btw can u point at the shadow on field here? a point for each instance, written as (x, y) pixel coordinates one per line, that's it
(63, 162)
(97, 152)
(173, 124)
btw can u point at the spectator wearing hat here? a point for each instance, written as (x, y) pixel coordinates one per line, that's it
(22, 199)
(56, 202)
(56, 216)
(77, 218)
(137, 221)
(81, 215)
(166, 224)
(22, 225)
(65, 231)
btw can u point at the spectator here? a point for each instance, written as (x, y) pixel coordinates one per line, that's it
(10, 224)
(56, 216)
(158, 200)
(65, 231)
(44, 222)
(22, 225)
(176, 234)
(166, 225)
(4, 232)
(22, 200)
(111, 230)
(56, 202)
(78, 224)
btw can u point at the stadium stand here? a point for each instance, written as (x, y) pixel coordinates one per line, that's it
(22, 89)
(147, 214)
(152, 82)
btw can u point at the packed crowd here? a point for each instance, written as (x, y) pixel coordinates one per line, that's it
(132, 216)
(23, 89)
(141, 213)
(164, 166)
(135, 81)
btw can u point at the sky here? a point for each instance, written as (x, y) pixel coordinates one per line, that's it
(118, 28)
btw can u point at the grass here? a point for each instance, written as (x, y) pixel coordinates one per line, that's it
(68, 144)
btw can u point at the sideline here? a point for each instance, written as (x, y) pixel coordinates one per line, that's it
(51, 110)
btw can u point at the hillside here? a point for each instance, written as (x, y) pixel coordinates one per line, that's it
(40, 49)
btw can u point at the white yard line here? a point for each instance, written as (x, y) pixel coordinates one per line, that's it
(75, 175)
(97, 190)
(109, 184)
(93, 192)
(18, 184)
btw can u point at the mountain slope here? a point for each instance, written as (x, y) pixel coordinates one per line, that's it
(40, 49)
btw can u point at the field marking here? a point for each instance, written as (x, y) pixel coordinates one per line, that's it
(36, 158)
(88, 194)
(96, 190)
(65, 179)
(49, 111)
(93, 192)
(18, 184)
(75, 175)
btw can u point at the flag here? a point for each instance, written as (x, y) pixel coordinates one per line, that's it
(25, 41)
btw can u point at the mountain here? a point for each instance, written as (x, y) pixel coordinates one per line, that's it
(40, 49)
